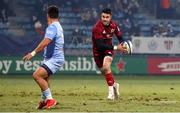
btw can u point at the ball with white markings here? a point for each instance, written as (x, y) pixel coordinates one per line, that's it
(128, 45)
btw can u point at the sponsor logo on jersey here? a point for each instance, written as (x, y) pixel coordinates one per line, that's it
(112, 30)
(104, 32)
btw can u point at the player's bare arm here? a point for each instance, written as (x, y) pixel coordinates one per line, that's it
(38, 49)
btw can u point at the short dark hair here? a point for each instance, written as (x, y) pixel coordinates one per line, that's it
(53, 12)
(107, 11)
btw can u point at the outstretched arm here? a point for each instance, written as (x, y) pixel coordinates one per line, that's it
(38, 49)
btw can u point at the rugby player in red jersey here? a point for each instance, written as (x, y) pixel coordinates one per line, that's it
(103, 49)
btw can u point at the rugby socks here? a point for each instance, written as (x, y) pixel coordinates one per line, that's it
(111, 90)
(109, 79)
(47, 94)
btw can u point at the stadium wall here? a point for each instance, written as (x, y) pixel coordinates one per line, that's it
(123, 65)
(153, 45)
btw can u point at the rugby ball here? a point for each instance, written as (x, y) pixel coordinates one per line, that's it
(128, 45)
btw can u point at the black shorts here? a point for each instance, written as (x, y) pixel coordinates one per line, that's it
(47, 69)
(99, 57)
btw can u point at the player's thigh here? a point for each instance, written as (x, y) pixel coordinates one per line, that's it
(40, 72)
(107, 61)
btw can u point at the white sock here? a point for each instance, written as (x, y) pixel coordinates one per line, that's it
(47, 93)
(111, 90)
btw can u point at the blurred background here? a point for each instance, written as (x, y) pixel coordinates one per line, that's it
(152, 25)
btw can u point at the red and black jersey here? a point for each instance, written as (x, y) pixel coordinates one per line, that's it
(106, 33)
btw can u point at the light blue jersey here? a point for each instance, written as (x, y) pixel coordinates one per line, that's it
(55, 49)
(53, 53)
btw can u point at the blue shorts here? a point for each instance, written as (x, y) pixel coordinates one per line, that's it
(52, 65)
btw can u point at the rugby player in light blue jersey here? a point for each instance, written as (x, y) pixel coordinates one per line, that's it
(52, 44)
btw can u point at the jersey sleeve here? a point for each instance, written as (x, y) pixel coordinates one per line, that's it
(51, 32)
(118, 34)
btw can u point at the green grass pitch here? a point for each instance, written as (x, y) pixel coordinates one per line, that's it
(88, 93)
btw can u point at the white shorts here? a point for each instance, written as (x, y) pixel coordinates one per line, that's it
(52, 65)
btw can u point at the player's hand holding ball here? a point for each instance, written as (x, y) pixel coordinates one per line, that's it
(122, 48)
(125, 47)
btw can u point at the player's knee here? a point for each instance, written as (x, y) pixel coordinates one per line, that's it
(106, 69)
(35, 76)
